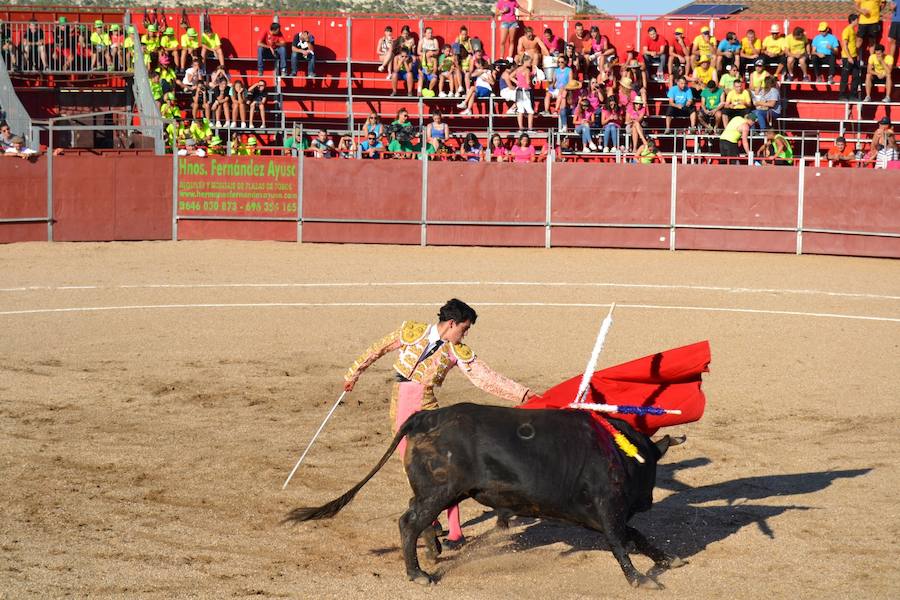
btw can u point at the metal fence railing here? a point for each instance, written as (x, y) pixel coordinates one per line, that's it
(13, 112)
(151, 122)
(64, 47)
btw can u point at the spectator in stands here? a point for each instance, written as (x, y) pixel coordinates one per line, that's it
(880, 154)
(201, 130)
(17, 148)
(258, 96)
(882, 132)
(577, 62)
(272, 45)
(215, 147)
(437, 132)
(497, 151)
(252, 147)
(296, 142)
(704, 45)
(471, 149)
(483, 88)
(777, 149)
(200, 104)
(647, 153)
(34, 51)
(851, 66)
(373, 125)
(428, 74)
(190, 48)
(6, 137)
(600, 49)
(728, 51)
(150, 40)
(220, 105)
(505, 11)
(406, 69)
(634, 70)
(879, 70)
(192, 149)
(534, 46)
(193, 76)
(407, 40)
(841, 154)
(678, 57)
(702, 75)
(464, 42)
(167, 77)
(736, 136)
(322, 146)
(384, 50)
(824, 49)
(712, 102)
(635, 115)
(758, 75)
(767, 104)
(522, 77)
(219, 74)
(894, 31)
(728, 77)
(554, 43)
(168, 45)
(611, 121)
(63, 46)
(371, 147)
(870, 29)
(583, 119)
(580, 39)
(346, 147)
(737, 103)
(655, 51)
(169, 108)
(797, 52)
(427, 44)
(449, 73)
(626, 93)
(401, 132)
(774, 50)
(523, 151)
(128, 48)
(177, 131)
(557, 89)
(303, 48)
(751, 47)
(210, 43)
(680, 105)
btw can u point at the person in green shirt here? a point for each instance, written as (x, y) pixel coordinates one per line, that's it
(177, 133)
(190, 47)
(215, 147)
(201, 130)
(726, 81)
(210, 42)
(168, 44)
(778, 148)
(99, 47)
(647, 153)
(711, 103)
(297, 141)
(156, 89)
(128, 47)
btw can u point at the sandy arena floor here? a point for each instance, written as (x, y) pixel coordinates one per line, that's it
(143, 445)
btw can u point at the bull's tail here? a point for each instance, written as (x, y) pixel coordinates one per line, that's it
(326, 511)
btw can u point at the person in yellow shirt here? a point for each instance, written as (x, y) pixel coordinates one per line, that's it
(869, 23)
(851, 68)
(758, 75)
(99, 47)
(879, 70)
(190, 47)
(168, 43)
(128, 47)
(797, 52)
(210, 42)
(703, 74)
(774, 49)
(751, 46)
(150, 40)
(703, 45)
(737, 102)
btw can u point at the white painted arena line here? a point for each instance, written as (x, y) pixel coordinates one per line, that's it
(87, 309)
(363, 284)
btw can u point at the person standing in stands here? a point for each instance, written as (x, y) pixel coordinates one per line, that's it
(303, 48)
(894, 31)
(272, 45)
(736, 136)
(824, 51)
(850, 63)
(870, 29)
(505, 11)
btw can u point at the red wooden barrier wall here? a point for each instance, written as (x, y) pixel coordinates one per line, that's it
(24, 196)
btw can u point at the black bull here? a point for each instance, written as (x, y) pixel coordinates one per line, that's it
(533, 463)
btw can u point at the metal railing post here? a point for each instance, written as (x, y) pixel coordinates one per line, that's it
(50, 182)
(349, 75)
(494, 38)
(490, 112)
(424, 238)
(672, 203)
(551, 158)
(300, 189)
(174, 194)
(801, 190)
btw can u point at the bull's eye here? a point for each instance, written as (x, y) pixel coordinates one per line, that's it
(525, 431)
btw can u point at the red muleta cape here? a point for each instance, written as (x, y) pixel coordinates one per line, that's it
(669, 379)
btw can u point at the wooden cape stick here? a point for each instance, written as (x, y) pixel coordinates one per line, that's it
(318, 431)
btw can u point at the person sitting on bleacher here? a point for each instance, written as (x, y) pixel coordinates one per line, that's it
(371, 147)
(295, 143)
(150, 41)
(436, 132)
(583, 119)
(880, 154)
(471, 149)
(841, 154)
(774, 50)
(483, 88)
(346, 147)
(200, 129)
(883, 130)
(712, 101)
(34, 52)
(497, 151)
(702, 75)
(405, 68)
(678, 58)
(258, 96)
(63, 46)
(428, 43)
(168, 45)
(523, 151)
(727, 79)
(825, 47)
(554, 43)
(533, 45)
(167, 77)
(238, 96)
(428, 74)
(681, 104)
(611, 119)
(737, 102)
(220, 104)
(558, 87)
(655, 51)
(303, 48)
(193, 76)
(401, 132)
(767, 103)
(751, 47)
(18, 148)
(384, 50)
(449, 73)
(200, 101)
(704, 45)
(647, 153)
(728, 51)
(168, 109)
(215, 147)
(211, 43)
(6, 136)
(879, 70)
(635, 114)
(797, 52)
(272, 45)
(851, 69)
(190, 48)
(600, 49)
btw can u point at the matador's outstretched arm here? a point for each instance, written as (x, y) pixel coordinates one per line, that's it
(492, 382)
(388, 343)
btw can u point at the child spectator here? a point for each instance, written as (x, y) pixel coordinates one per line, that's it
(824, 49)
(405, 68)
(190, 47)
(321, 146)
(200, 103)
(797, 52)
(346, 148)
(371, 147)
(238, 96)
(168, 44)
(524, 104)
(167, 78)
(156, 89)
(611, 121)
(601, 49)
(169, 108)
(681, 101)
(704, 45)
(384, 49)
(272, 45)
(728, 51)
(584, 118)
(6, 137)
(210, 43)
(258, 96)
(842, 154)
(303, 48)
(220, 105)
(428, 43)
(472, 150)
(655, 51)
(883, 130)
(17, 148)
(851, 68)
(407, 40)
(576, 62)
(215, 147)
(647, 153)
(751, 47)
(879, 71)
(437, 132)
(63, 46)
(774, 49)
(523, 151)
(449, 73)
(428, 74)
(767, 104)
(8, 48)
(200, 130)
(497, 151)
(737, 102)
(635, 114)
(373, 126)
(192, 76)
(711, 104)
(483, 88)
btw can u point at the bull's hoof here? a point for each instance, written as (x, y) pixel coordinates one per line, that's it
(432, 549)
(674, 562)
(422, 578)
(453, 544)
(646, 583)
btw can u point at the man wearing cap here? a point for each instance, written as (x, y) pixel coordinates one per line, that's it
(100, 46)
(680, 53)
(736, 136)
(703, 45)
(168, 44)
(655, 50)
(703, 74)
(869, 23)
(882, 132)
(303, 48)
(774, 49)
(758, 75)
(727, 51)
(879, 70)
(63, 45)
(824, 50)
(851, 69)
(751, 47)
(737, 102)
(215, 147)
(190, 46)
(797, 52)
(17, 148)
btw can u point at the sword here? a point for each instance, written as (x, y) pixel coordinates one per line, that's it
(318, 431)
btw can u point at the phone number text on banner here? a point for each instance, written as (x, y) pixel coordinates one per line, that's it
(237, 186)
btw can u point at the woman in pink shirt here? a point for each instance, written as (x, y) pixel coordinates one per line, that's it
(497, 151)
(509, 22)
(635, 113)
(523, 151)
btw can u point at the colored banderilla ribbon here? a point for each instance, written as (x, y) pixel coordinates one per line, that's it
(625, 409)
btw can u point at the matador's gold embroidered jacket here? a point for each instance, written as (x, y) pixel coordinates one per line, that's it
(411, 339)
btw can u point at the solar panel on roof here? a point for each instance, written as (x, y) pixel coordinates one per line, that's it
(709, 9)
